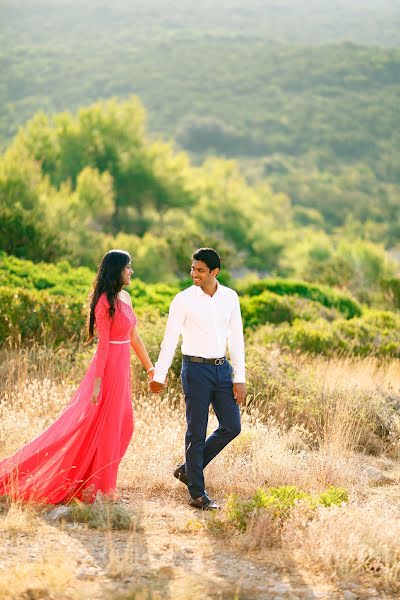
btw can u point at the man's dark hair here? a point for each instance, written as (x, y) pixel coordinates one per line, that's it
(208, 256)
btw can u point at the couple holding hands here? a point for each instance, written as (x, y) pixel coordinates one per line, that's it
(79, 454)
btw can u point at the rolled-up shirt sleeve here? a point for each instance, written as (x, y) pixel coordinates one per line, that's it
(103, 323)
(236, 343)
(176, 318)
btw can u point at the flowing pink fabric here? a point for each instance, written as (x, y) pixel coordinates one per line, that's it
(80, 452)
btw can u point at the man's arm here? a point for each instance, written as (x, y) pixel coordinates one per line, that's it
(176, 318)
(236, 350)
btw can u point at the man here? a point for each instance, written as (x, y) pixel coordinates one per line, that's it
(208, 316)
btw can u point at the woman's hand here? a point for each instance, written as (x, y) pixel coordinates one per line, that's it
(96, 391)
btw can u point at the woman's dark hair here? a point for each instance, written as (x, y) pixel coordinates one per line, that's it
(208, 256)
(109, 281)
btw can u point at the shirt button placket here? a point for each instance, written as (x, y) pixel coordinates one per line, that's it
(215, 323)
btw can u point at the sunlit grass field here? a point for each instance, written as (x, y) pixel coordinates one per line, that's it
(310, 426)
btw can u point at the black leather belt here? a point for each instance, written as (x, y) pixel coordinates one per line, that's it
(208, 361)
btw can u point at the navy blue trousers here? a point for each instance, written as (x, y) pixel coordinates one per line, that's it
(205, 384)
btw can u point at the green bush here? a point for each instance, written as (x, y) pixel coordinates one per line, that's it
(391, 287)
(344, 303)
(29, 314)
(376, 333)
(316, 337)
(333, 496)
(51, 300)
(102, 514)
(23, 234)
(156, 295)
(61, 279)
(58, 279)
(280, 501)
(266, 307)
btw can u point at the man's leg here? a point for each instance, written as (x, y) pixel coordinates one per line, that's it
(227, 412)
(198, 383)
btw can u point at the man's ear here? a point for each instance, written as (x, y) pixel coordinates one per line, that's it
(215, 272)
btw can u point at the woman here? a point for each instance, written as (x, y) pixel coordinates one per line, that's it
(79, 454)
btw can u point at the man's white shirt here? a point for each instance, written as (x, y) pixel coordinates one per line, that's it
(207, 324)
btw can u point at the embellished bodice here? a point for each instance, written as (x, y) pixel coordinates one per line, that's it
(111, 329)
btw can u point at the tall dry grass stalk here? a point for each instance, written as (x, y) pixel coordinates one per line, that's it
(368, 374)
(122, 562)
(18, 519)
(344, 425)
(41, 361)
(355, 542)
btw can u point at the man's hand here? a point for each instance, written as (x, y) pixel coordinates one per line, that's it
(239, 392)
(156, 387)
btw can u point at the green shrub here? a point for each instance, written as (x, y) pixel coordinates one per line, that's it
(266, 307)
(58, 279)
(376, 333)
(333, 496)
(385, 320)
(316, 338)
(157, 295)
(344, 303)
(29, 314)
(391, 287)
(103, 515)
(280, 501)
(61, 279)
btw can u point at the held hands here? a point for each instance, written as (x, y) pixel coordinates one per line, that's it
(239, 392)
(156, 387)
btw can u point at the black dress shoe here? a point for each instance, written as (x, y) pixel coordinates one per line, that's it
(180, 474)
(204, 503)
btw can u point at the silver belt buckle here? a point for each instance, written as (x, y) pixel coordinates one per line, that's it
(219, 361)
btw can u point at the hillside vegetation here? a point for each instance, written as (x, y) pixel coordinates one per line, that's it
(49, 302)
(311, 110)
(73, 186)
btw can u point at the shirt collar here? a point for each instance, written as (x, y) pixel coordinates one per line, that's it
(200, 292)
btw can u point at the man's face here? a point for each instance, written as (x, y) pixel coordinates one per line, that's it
(201, 274)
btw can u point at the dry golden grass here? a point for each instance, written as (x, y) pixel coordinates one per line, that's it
(48, 574)
(356, 542)
(308, 422)
(19, 519)
(369, 374)
(45, 578)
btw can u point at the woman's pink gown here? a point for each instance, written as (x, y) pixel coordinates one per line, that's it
(80, 452)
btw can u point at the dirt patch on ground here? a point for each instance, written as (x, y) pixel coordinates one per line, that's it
(171, 553)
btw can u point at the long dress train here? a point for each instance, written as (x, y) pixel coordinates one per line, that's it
(80, 452)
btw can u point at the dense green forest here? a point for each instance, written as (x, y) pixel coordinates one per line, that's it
(363, 21)
(73, 186)
(318, 123)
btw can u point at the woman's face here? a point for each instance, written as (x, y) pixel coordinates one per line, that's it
(127, 273)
